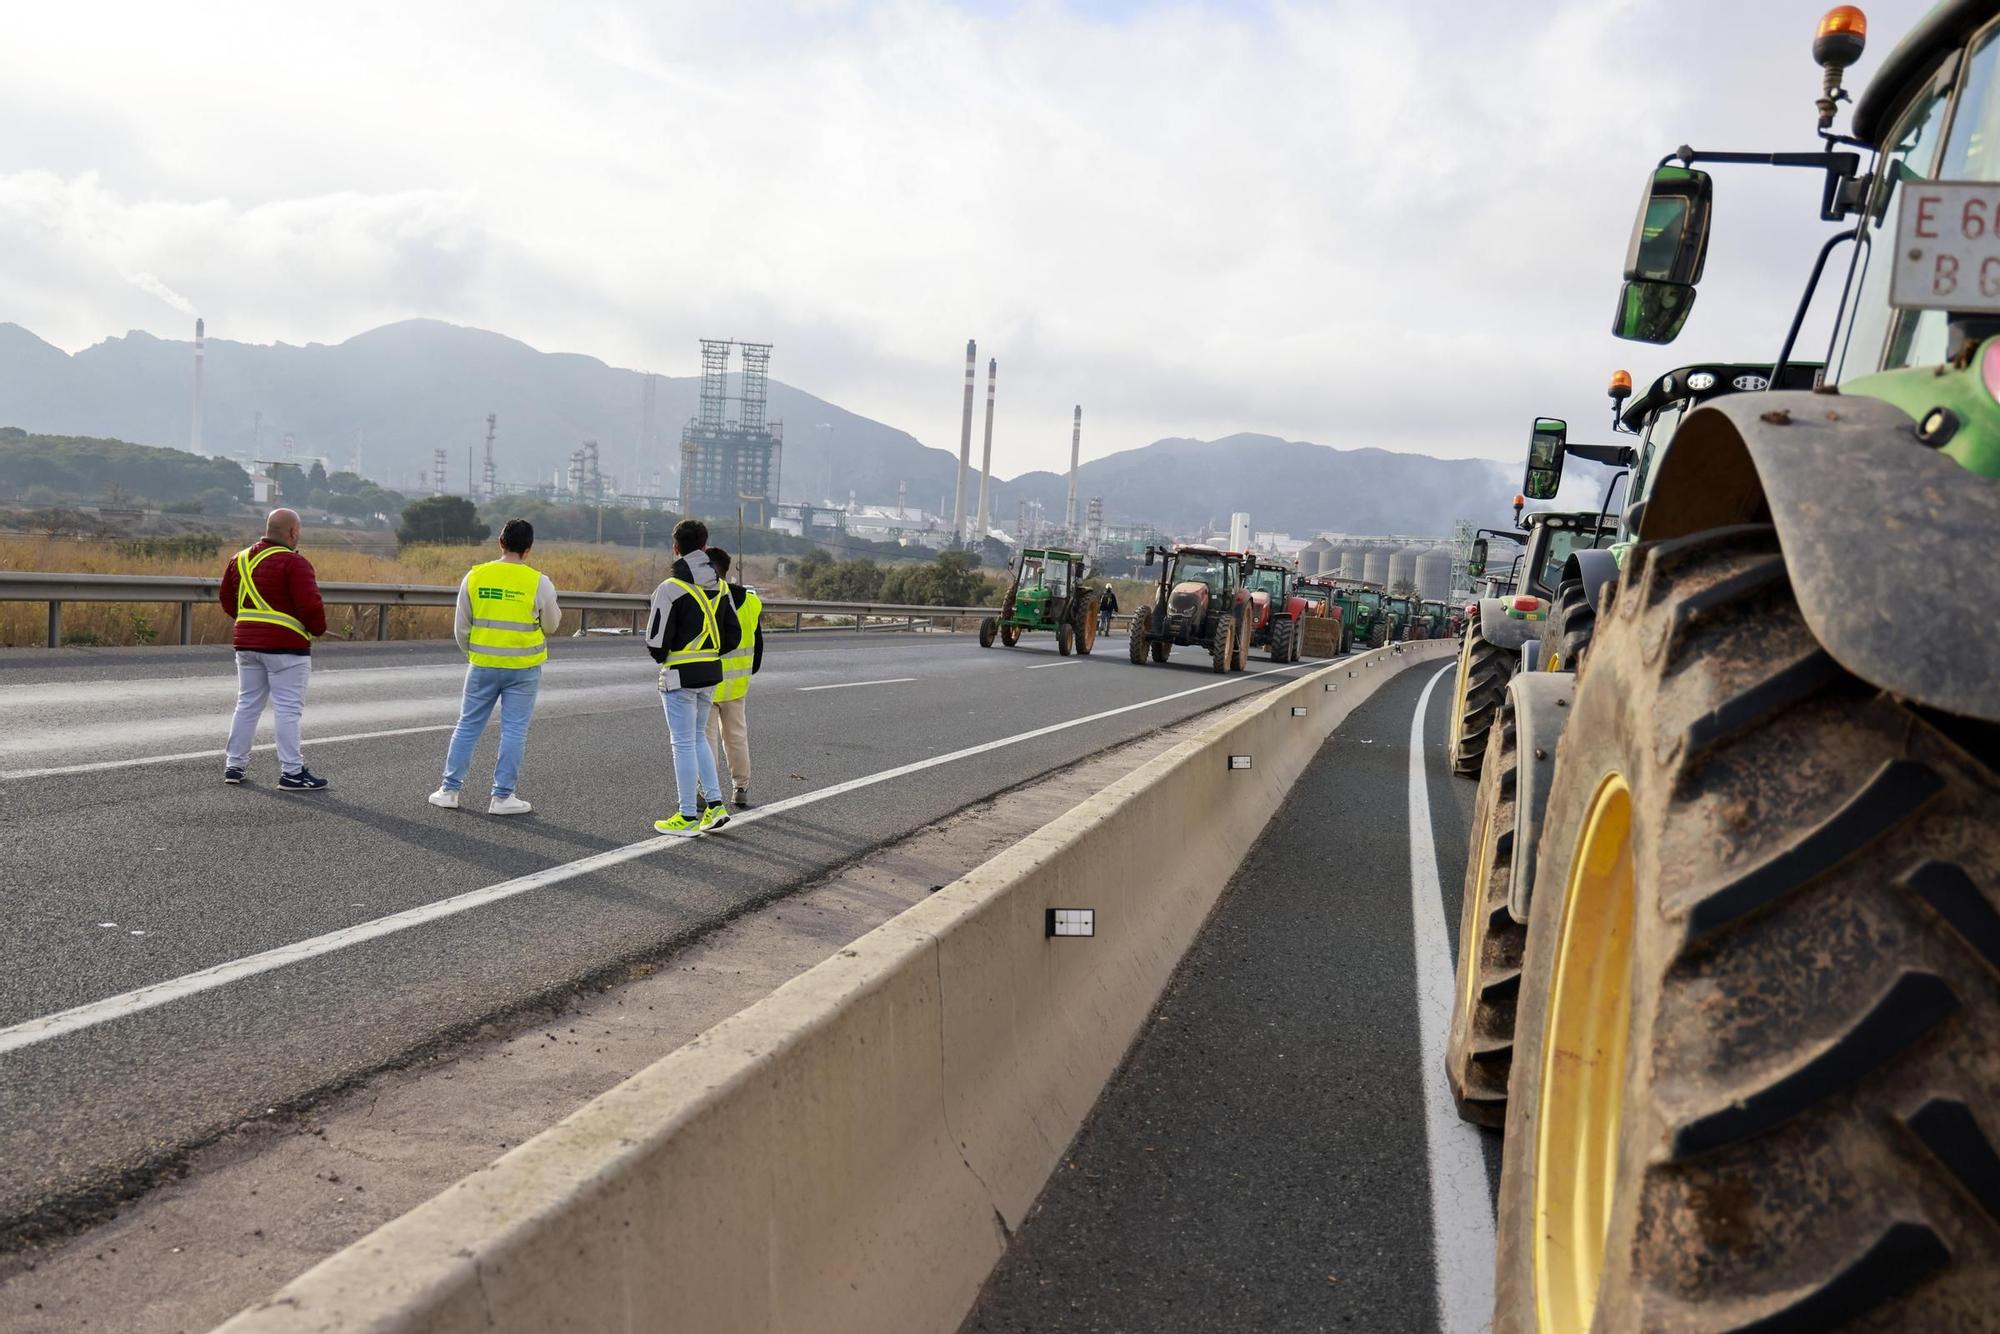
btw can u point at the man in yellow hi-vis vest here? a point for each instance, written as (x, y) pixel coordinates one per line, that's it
(728, 726)
(506, 611)
(691, 628)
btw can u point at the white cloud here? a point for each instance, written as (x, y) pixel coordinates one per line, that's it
(1356, 223)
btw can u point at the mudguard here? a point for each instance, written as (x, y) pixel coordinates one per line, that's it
(1888, 543)
(1597, 568)
(1541, 705)
(1505, 627)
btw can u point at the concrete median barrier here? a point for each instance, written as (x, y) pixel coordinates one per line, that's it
(852, 1152)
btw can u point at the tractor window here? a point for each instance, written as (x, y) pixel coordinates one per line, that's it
(1973, 151)
(1057, 579)
(1210, 570)
(1031, 574)
(1658, 432)
(1562, 541)
(1880, 337)
(1267, 581)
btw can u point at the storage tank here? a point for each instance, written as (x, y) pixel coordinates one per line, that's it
(1375, 564)
(1312, 558)
(1353, 560)
(1402, 566)
(1434, 573)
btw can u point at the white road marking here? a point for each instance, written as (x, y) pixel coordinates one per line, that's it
(30, 1032)
(99, 766)
(1461, 1208)
(848, 685)
(1040, 665)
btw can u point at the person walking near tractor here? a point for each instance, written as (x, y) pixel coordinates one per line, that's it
(1107, 607)
(272, 594)
(692, 626)
(506, 611)
(728, 726)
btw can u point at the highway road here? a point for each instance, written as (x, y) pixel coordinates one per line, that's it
(181, 955)
(1271, 1154)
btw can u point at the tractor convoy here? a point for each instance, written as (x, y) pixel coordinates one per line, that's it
(1729, 960)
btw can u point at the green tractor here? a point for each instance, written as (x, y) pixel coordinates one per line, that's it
(1752, 1067)
(1361, 607)
(1403, 617)
(1500, 627)
(1047, 593)
(1433, 619)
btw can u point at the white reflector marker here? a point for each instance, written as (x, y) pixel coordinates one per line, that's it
(1298, 710)
(1072, 922)
(1239, 761)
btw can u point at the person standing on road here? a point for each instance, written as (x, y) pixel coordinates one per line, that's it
(272, 594)
(691, 627)
(1107, 607)
(728, 725)
(506, 611)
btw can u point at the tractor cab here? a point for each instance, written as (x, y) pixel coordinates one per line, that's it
(1047, 593)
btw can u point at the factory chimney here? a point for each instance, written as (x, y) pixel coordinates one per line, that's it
(200, 350)
(1075, 444)
(964, 447)
(986, 459)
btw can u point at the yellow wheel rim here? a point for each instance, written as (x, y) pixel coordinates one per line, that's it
(1458, 693)
(1583, 1067)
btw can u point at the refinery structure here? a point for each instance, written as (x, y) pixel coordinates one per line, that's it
(730, 464)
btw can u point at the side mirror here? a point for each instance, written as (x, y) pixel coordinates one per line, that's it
(1546, 446)
(1149, 558)
(1476, 566)
(1650, 312)
(1670, 237)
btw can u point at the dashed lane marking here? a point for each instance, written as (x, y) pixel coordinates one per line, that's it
(849, 685)
(32, 1031)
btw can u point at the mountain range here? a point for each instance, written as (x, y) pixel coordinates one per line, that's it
(391, 396)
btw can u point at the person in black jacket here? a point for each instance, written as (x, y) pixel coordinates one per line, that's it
(692, 625)
(1107, 607)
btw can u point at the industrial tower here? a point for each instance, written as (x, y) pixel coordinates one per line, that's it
(731, 465)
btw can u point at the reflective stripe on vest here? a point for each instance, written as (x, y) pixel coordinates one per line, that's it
(252, 605)
(707, 646)
(736, 666)
(506, 630)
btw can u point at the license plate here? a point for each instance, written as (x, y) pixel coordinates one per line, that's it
(1947, 247)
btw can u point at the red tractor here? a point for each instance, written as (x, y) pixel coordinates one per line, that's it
(1278, 609)
(1201, 601)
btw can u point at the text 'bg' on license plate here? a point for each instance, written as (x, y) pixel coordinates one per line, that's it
(1947, 246)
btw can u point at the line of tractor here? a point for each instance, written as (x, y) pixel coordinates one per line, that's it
(1729, 967)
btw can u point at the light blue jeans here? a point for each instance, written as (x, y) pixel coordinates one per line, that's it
(694, 759)
(514, 690)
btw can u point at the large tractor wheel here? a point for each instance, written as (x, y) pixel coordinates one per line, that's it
(1161, 648)
(1378, 633)
(1281, 639)
(1571, 625)
(1010, 635)
(1222, 653)
(1140, 620)
(1483, 673)
(1065, 639)
(1346, 638)
(988, 628)
(1479, 1050)
(1241, 642)
(1757, 1049)
(1086, 628)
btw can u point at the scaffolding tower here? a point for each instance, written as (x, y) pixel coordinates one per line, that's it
(731, 466)
(437, 469)
(488, 486)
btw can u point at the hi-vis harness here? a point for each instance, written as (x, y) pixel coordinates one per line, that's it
(505, 629)
(736, 666)
(707, 646)
(251, 605)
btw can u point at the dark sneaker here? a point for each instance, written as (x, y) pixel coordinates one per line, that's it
(741, 797)
(232, 776)
(305, 780)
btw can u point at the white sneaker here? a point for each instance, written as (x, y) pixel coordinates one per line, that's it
(444, 798)
(509, 805)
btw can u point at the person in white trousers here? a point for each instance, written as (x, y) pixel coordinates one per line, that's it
(272, 594)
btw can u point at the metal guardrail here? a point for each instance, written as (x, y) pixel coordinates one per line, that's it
(189, 591)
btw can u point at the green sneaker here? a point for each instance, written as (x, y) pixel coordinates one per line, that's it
(716, 816)
(680, 826)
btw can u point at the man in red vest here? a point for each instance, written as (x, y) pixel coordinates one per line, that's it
(271, 593)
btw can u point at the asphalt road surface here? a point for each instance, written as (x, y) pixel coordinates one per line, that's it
(180, 955)
(1266, 1156)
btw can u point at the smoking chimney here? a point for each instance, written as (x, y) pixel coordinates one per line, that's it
(986, 458)
(964, 447)
(200, 350)
(1075, 443)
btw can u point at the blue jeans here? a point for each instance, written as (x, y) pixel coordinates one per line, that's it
(694, 759)
(514, 690)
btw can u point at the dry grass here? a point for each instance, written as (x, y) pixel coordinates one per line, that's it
(574, 567)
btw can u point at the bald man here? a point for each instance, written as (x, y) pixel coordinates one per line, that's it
(271, 593)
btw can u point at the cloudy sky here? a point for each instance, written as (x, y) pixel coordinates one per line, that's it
(1360, 224)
